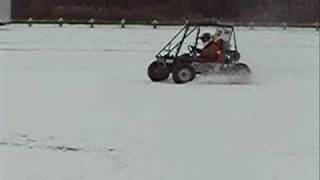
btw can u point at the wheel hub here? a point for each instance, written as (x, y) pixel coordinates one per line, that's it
(159, 71)
(185, 74)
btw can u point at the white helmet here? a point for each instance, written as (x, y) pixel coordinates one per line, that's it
(222, 33)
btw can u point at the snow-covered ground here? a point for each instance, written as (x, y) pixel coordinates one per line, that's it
(76, 104)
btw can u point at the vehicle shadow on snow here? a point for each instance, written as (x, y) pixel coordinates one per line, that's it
(204, 81)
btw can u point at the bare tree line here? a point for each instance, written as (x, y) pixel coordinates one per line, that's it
(306, 11)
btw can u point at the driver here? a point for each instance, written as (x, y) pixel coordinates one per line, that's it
(208, 52)
(212, 47)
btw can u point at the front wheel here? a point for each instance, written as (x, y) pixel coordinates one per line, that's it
(241, 73)
(242, 69)
(183, 73)
(158, 71)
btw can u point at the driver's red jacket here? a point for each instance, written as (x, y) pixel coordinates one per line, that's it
(212, 52)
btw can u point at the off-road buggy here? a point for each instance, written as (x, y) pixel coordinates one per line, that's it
(184, 65)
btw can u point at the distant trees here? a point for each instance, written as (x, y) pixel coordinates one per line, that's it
(231, 10)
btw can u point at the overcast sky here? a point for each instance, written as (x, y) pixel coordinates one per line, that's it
(5, 9)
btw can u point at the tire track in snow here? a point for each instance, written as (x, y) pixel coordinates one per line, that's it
(23, 141)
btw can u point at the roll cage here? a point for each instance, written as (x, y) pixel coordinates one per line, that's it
(172, 49)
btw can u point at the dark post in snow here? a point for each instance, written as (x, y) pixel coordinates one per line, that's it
(251, 25)
(317, 28)
(186, 22)
(155, 23)
(91, 22)
(123, 23)
(30, 22)
(284, 26)
(60, 22)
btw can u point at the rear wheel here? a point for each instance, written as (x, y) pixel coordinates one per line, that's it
(183, 73)
(157, 71)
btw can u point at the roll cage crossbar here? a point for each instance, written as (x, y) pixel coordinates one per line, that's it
(186, 31)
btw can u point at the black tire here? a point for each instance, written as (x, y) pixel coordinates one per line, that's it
(234, 55)
(157, 71)
(183, 73)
